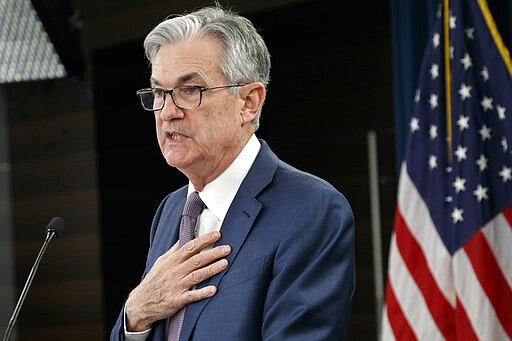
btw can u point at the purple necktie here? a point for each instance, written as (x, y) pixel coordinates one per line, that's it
(193, 208)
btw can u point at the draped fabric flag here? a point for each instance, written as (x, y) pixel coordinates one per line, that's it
(450, 261)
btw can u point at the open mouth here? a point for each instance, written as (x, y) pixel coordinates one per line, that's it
(173, 136)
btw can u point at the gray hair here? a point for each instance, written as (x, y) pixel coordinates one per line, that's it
(245, 58)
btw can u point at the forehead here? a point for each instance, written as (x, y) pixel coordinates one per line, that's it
(195, 60)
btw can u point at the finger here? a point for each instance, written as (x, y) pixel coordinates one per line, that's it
(200, 294)
(199, 275)
(204, 258)
(195, 246)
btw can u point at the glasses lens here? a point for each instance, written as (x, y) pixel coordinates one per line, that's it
(187, 97)
(152, 99)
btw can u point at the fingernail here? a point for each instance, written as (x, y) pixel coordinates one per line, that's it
(226, 249)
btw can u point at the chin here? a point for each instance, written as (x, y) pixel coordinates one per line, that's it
(174, 161)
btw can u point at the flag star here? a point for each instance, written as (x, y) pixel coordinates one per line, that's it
(436, 40)
(470, 32)
(506, 173)
(464, 91)
(417, 95)
(466, 61)
(433, 132)
(459, 185)
(501, 112)
(504, 144)
(433, 101)
(414, 124)
(434, 71)
(453, 21)
(448, 199)
(485, 133)
(452, 49)
(485, 74)
(432, 162)
(463, 122)
(486, 103)
(457, 215)
(461, 153)
(481, 193)
(482, 162)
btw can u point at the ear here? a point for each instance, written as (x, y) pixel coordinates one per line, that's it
(253, 96)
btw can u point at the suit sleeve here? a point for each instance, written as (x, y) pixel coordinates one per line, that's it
(117, 333)
(310, 294)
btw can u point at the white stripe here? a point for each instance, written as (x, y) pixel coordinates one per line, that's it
(386, 332)
(417, 217)
(479, 310)
(410, 298)
(499, 236)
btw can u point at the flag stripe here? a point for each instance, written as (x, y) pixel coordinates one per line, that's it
(499, 234)
(411, 301)
(386, 331)
(474, 301)
(465, 331)
(415, 261)
(508, 215)
(491, 278)
(399, 324)
(416, 215)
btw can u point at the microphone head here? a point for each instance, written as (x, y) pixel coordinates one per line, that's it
(56, 225)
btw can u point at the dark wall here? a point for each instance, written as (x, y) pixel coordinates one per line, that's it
(133, 176)
(331, 83)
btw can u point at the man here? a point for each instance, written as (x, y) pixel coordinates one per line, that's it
(273, 254)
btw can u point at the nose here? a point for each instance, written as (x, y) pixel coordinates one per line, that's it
(170, 110)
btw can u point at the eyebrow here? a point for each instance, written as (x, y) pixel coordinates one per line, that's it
(192, 76)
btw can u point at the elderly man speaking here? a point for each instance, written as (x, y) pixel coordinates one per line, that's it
(251, 248)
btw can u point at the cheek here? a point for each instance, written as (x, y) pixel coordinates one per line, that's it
(158, 124)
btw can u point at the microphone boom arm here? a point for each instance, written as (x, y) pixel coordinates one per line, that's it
(51, 233)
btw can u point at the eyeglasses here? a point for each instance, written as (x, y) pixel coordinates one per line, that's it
(184, 97)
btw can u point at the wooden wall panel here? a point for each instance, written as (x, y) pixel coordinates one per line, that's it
(53, 173)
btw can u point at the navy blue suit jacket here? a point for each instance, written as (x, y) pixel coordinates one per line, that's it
(291, 271)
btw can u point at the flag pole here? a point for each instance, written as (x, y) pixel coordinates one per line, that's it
(373, 175)
(447, 76)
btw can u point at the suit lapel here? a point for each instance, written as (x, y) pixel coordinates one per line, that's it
(237, 224)
(167, 228)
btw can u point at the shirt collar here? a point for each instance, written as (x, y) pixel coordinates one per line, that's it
(219, 194)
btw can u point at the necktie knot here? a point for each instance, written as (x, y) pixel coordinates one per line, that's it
(194, 206)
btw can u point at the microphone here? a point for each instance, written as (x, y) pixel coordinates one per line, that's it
(53, 230)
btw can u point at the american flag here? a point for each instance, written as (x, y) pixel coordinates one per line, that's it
(450, 261)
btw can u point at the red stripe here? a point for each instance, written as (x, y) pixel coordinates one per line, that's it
(491, 278)
(396, 317)
(465, 331)
(508, 215)
(440, 309)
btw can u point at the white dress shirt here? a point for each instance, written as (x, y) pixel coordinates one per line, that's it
(217, 196)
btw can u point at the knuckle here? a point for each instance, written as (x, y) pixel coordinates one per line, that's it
(191, 296)
(196, 262)
(196, 277)
(190, 247)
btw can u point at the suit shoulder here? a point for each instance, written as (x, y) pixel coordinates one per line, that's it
(290, 175)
